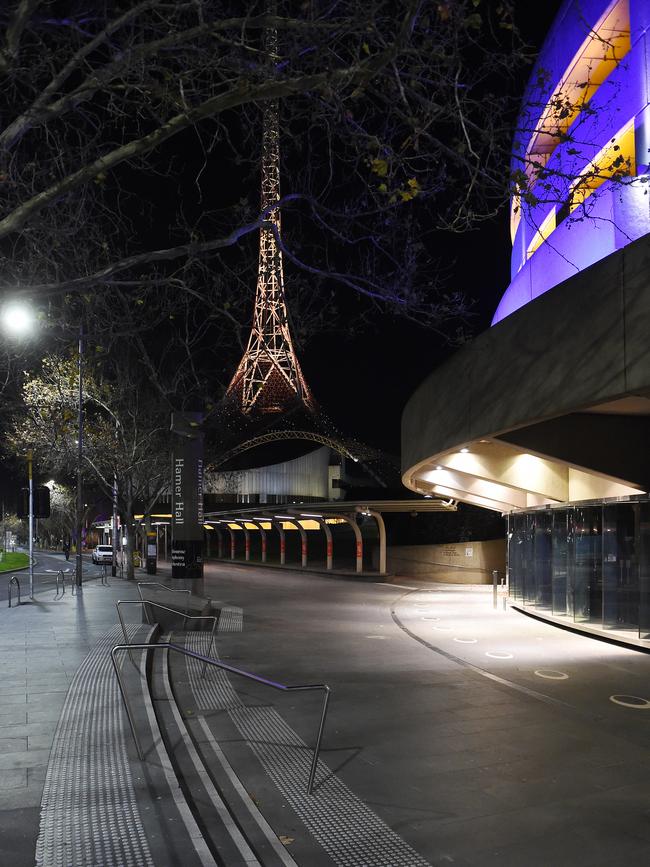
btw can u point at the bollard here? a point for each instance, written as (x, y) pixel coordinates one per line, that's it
(13, 581)
(495, 588)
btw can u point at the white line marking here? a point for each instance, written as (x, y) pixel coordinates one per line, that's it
(465, 640)
(263, 825)
(221, 809)
(198, 841)
(394, 586)
(498, 654)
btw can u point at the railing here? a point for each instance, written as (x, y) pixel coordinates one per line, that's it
(168, 589)
(185, 617)
(13, 580)
(60, 574)
(207, 660)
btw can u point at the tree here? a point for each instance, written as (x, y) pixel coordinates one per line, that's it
(122, 124)
(60, 526)
(126, 439)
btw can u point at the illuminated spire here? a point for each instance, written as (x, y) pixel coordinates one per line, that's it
(269, 377)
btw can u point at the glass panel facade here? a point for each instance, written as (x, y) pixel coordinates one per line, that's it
(562, 599)
(586, 563)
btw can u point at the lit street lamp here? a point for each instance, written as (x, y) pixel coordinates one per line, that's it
(18, 320)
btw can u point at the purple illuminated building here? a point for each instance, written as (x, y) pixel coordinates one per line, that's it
(545, 417)
(582, 147)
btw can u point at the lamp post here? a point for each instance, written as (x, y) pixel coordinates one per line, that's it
(80, 434)
(30, 475)
(18, 320)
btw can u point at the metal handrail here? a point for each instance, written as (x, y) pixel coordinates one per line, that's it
(169, 590)
(207, 660)
(62, 574)
(14, 580)
(186, 617)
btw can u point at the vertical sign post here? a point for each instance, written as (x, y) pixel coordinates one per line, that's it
(187, 495)
(152, 552)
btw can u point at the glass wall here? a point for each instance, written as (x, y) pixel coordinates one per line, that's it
(585, 563)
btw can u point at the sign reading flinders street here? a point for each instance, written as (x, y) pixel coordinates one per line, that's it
(187, 495)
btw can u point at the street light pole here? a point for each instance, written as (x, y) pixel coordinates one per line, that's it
(114, 533)
(30, 476)
(80, 431)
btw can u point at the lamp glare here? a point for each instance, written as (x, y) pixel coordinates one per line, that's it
(17, 319)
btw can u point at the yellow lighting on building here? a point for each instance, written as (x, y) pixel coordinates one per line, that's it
(616, 159)
(547, 226)
(604, 47)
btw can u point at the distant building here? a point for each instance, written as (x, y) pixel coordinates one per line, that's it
(546, 416)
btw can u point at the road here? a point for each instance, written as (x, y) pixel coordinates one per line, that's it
(45, 568)
(483, 738)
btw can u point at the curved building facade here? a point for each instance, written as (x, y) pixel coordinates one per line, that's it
(580, 157)
(546, 415)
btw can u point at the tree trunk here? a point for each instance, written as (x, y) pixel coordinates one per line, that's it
(129, 527)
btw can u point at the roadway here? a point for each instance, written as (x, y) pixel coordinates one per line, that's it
(481, 737)
(46, 565)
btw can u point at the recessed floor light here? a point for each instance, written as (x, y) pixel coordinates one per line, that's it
(633, 701)
(551, 674)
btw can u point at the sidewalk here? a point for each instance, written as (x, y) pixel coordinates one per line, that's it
(42, 644)
(456, 734)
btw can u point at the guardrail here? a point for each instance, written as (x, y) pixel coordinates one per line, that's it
(164, 587)
(60, 573)
(13, 580)
(59, 577)
(207, 660)
(185, 617)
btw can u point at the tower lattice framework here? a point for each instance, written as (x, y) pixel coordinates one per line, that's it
(269, 377)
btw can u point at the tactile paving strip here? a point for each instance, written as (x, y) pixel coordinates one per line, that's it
(230, 620)
(89, 814)
(347, 829)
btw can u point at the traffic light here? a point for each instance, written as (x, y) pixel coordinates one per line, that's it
(22, 507)
(41, 502)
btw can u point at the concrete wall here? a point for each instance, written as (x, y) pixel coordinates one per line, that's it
(582, 343)
(454, 563)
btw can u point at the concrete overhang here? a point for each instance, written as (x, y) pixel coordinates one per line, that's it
(551, 405)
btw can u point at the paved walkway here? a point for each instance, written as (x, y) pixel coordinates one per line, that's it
(473, 737)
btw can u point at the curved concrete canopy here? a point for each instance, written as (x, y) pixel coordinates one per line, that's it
(553, 403)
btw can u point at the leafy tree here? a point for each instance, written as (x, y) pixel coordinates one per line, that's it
(129, 154)
(126, 439)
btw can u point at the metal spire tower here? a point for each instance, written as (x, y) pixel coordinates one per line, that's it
(269, 377)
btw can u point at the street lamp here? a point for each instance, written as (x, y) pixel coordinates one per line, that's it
(18, 320)
(80, 441)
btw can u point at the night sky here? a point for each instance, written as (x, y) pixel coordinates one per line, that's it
(361, 376)
(364, 381)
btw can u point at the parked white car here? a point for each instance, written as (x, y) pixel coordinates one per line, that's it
(103, 554)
